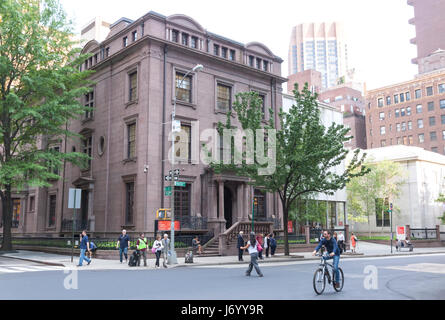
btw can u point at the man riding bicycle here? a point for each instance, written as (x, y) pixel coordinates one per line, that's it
(334, 253)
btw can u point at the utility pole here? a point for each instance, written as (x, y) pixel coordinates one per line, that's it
(390, 218)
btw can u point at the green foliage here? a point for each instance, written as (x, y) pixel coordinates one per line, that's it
(40, 84)
(442, 199)
(384, 181)
(307, 153)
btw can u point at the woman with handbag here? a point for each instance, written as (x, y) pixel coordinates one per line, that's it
(253, 246)
(157, 249)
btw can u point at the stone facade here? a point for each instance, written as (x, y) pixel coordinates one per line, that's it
(127, 134)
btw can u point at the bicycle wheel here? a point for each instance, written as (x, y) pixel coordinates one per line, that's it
(342, 280)
(319, 281)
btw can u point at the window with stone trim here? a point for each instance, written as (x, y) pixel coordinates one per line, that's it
(421, 137)
(433, 136)
(87, 148)
(52, 210)
(89, 103)
(133, 87)
(182, 201)
(431, 106)
(184, 89)
(441, 88)
(259, 205)
(429, 91)
(224, 97)
(129, 202)
(131, 140)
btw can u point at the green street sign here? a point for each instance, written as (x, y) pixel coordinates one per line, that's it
(168, 193)
(168, 189)
(180, 184)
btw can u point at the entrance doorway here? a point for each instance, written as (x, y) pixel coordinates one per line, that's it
(228, 202)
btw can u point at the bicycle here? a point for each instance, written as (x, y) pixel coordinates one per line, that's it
(322, 273)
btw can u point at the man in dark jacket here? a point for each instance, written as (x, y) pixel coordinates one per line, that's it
(333, 250)
(239, 245)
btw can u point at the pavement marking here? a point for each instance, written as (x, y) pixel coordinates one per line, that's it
(16, 269)
(421, 267)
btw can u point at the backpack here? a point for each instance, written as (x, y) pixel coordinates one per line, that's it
(93, 246)
(273, 242)
(133, 260)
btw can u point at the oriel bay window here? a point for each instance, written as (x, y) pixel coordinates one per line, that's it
(184, 89)
(224, 97)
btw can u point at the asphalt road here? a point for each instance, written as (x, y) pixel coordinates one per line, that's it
(397, 278)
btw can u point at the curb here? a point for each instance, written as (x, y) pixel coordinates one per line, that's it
(55, 264)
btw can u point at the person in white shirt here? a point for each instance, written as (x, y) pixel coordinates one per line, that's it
(267, 244)
(341, 242)
(157, 247)
(253, 251)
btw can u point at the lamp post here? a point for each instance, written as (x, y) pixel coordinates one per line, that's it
(172, 259)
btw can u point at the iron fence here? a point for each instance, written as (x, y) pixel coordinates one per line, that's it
(276, 221)
(80, 225)
(423, 233)
(192, 222)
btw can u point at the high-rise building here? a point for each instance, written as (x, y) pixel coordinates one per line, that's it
(319, 46)
(430, 28)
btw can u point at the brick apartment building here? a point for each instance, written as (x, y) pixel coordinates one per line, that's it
(137, 70)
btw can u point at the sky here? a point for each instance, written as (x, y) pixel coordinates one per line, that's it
(377, 31)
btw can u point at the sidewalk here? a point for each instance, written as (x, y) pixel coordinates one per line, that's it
(364, 250)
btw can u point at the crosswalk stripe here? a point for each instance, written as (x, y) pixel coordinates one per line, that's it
(16, 269)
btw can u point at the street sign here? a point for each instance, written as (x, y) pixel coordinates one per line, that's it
(180, 184)
(74, 198)
(176, 178)
(165, 225)
(168, 189)
(177, 172)
(168, 178)
(168, 193)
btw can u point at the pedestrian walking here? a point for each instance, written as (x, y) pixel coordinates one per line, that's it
(353, 242)
(273, 244)
(259, 239)
(123, 243)
(252, 246)
(93, 249)
(165, 249)
(239, 245)
(141, 246)
(84, 246)
(157, 250)
(267, 244)
(341, 242)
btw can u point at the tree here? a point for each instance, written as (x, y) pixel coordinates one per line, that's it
(40, 83)
(306, 153)
(442, 199)
(366, 193)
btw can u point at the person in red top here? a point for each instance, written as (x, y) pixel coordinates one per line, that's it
(353, 242)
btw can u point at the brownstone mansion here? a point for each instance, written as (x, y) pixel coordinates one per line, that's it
(138, 67)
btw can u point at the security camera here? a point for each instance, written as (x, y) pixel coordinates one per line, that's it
(146, 168)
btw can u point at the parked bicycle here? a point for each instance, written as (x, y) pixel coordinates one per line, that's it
(322, 274)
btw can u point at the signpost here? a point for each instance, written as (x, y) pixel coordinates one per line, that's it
(255, 202)
(74, 198)
(390, 218)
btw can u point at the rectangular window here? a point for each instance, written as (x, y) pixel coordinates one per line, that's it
(397, 113)
(433, 136)
(420, 123)
(185, 39)
(258, 63)
(410, 140)
(224, 97)
(398, 127)
(402, 97)
(259, 204)
(54, 168)
(107, 52)
(263, 106)
(405, 140)
(382, 143)
(380, 102)
(403, 126)
(87, 148)
(432, 121)
(194, 43)
(442, 104)
(129, 202)
(182, 201)
(410, 125)
(216, 50)
(175, 35)
(133, 92)
(89, 103)
(184, 89)
(52, 211)
(431, 106)
(421, 138)
(442, 119)
(125, 41)
(382, 116)
(396, 98)
(399, 140)
(183, 144)
(388, 100)
(265, 65)
(32, 203)
(408, 111)
(134, 36)
(441, 88)
(408, 96)
(131, 141)
(443, 135)
(232, 55)
(429, 91)
(418, 94)
(419, 108)
(382, 130)
(224, 52)
(402, 112)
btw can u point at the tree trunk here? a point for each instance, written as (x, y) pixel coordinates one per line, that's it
(7, 219)
(286, 236)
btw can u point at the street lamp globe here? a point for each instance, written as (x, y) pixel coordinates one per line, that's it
(198, 68)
